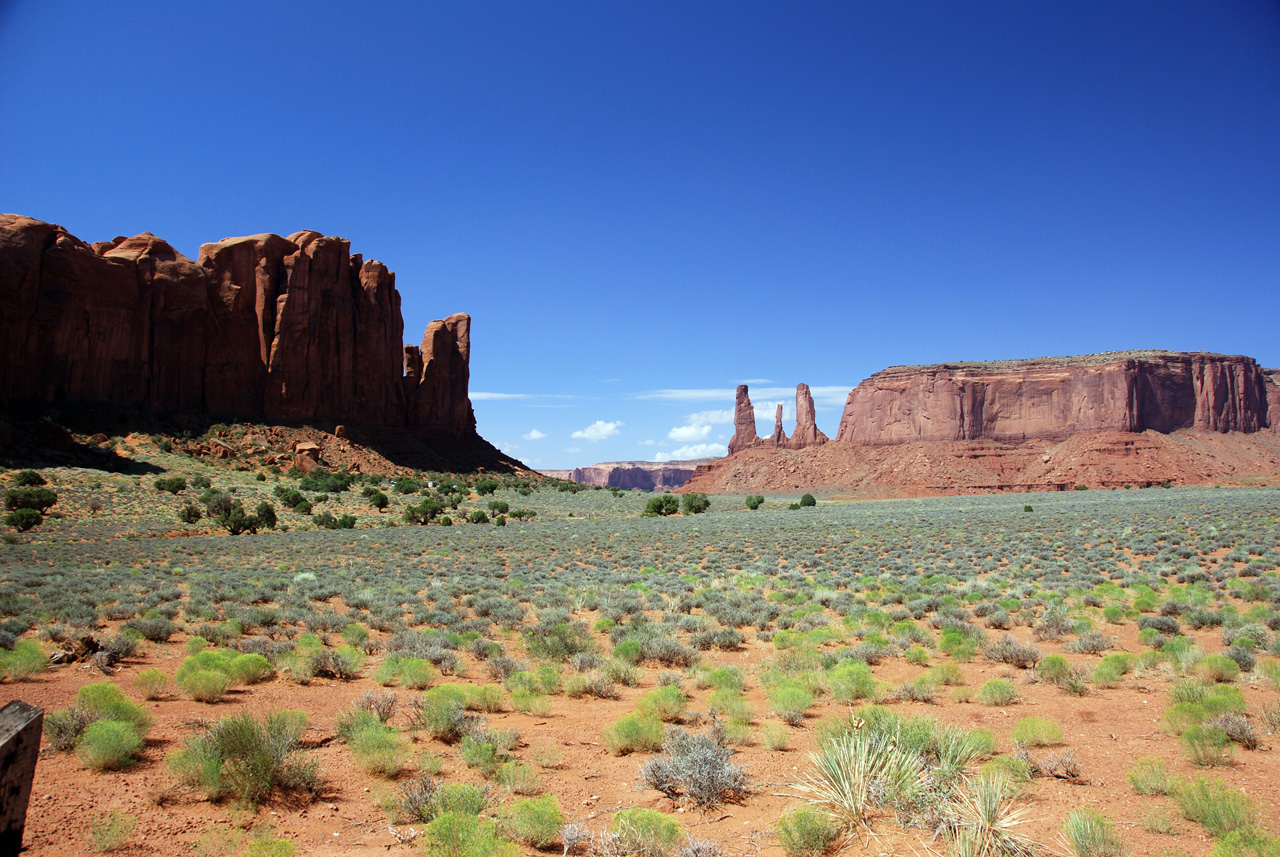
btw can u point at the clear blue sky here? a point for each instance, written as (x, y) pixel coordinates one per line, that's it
(644, 204)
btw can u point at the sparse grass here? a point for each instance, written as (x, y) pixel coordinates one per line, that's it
(1216, 806)
(806, 833)
(1036, 732)
(634, 733)
(998, 692)
(247, 758)
(1091, 834)
(1149, 776)
(535, 821)
(108, 831)
(644, 833)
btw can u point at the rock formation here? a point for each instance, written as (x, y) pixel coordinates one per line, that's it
(292, 330)
(1104, 420)
(642, 475)
(805, 435)
(1058, 397)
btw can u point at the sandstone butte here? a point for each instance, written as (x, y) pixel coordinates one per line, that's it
(1102, 420)
(292, 330)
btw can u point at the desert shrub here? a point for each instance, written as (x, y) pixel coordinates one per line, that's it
(1206, 746)
(632, 733)
(807, 501)
(29, 478)
(695, 767)
(695, 503)
(441, 716)
(754, 501)
(858, 771)
(377, 748)
(109, 745)
(171, 484)
(23, 661)
(666, 703)
(1216, 668)
(1091, 834)
(104, 701)
(248, 758)
(1036, 732)
(1215, 805)
(452, 834)
(790, 701)
(152, 683)
(207, 686)
(1090, 643)
(156, 629)
(1148, 776)
(644, 833)
(38, 499)
(1007, 650)
(997, 691)
(1236, 727)
(108, 831)
(806, 833)
(24, 520)
(535, 821)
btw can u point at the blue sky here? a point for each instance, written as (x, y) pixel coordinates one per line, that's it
(644, 204)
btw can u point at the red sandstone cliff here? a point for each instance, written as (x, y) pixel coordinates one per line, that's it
(262, 328)
(1058, 397)
(1131, 418)
(805, 435)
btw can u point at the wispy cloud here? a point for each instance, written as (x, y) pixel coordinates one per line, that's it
(689, 433)
(482, 396)
(598, 430)
(646, 443)
(534, 434)
(713, 418)
(826, 396)
(693, 450)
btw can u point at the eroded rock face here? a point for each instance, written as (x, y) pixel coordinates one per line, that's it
(744, 422)
(1058, 397)
(1273, 399)
(259, 327)
(642, 475)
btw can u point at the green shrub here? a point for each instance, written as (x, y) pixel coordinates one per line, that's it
(665, 703)
(206, 686)
(662, 506)
(806, 833)
(1215, 805)
(1207, 746)
(24, 520)
(378, 749)
(754, 501)
(628, 651)
(790, 701)
(250, 668)
(632, 733)
(104, 701)
(38, 499)
(695, 503)
(248, 758)
(535, 821)
(1092, 834)
(645, 832)
(1148, 776)
(480, 755)
(109, 745)
(852, 680)
(1216, 668)
(172, 484)
(1036, 732)
(29, 478)
(997, 691)
(152, 683)
(24, 661)
(452, 834)
(108, 831)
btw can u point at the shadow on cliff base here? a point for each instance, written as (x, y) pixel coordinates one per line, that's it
(47, 436)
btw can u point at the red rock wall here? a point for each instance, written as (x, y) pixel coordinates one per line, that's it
(1052, 398)
(260, 327)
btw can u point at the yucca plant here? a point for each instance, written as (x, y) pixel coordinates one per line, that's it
(858, 772)
(982, 820)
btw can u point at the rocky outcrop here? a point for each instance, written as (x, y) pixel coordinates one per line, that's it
(805, 435)
(293, 330)
(1055, 398)
(641, 475)
(1273, 398)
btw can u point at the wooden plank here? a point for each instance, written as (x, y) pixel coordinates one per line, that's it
(20, 726)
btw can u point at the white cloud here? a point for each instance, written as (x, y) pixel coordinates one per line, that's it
(533, 435)
(757, 381)
(827, 396)
(689, 433)
(598, 430)
(572, 449)
(673, 395)
(481, 396)
(711, 417)
(645, 443)
(693, 450)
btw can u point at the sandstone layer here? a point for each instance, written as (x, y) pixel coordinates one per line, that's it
(641, 475)
(262, 328)
(1058, 397)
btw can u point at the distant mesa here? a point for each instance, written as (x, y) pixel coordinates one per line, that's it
(640, 475)
(1101, 420)
(289, 330)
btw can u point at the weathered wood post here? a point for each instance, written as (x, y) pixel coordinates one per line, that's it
(20, 726)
